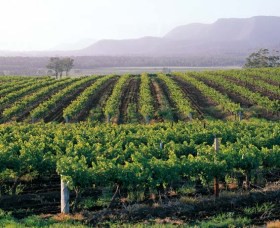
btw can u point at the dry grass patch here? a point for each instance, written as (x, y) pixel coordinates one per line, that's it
(169, 221)
(68, 217)
(275, 224)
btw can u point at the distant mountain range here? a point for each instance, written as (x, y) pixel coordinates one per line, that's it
(74, 46)
(225, 37)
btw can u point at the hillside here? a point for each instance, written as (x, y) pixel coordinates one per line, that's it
(224, 37)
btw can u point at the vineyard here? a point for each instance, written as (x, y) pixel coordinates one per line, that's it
(224, 95)
(147, 139)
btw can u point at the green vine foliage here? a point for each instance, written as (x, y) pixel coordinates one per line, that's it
(131, 156)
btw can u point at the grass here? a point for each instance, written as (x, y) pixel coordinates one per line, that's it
(60, 220)
(224, 221)
(34, 221)
(227, 220)
(186, 189)
(264, 208)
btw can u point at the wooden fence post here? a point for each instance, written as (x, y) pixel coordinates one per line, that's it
(64, 198)
(240, 115)
(161, 145)
(147, 119)
(216, 180)
(64, 191)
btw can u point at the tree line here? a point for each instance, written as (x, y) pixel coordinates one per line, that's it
(37, 65)
(259, 59)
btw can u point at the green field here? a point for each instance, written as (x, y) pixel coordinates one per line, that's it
(138, 149)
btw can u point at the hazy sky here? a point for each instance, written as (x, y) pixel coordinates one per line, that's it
(44, 24)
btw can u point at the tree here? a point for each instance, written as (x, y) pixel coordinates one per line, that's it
(55, 65)
(262, 58)
(274, 60)
(67, 64)
(59, 65)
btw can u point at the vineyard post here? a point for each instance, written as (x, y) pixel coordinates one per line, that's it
(64, 197)
(240, 115)
(216, 181)
(64, 193)
(161, 145)
(147, 119)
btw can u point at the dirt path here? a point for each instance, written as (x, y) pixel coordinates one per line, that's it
(203, 104)
(130, 97)
(157, 98)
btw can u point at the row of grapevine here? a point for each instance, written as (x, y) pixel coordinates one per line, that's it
(257, 98)
(214, 95)
(13, 96)
(29, 100)
(246, 77)
(8, 79)
(272, 74)
(171, 99)
(84, 98)
(13, 82)
(5, 79)
(12, 86)
(112, 105)
(183, 105)
(146, 99)
(130, 155)
(44, 108)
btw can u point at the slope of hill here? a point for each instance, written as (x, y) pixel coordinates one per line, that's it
(256, 29)
(225, 36)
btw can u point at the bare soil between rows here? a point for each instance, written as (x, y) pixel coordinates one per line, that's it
(200, 101)
(130, 96)
(187, 210)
